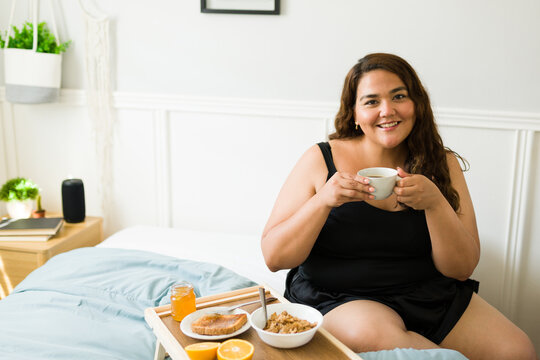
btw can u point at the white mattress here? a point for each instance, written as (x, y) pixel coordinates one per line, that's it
(240, 253)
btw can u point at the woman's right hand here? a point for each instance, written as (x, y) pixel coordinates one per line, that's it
(344, 187)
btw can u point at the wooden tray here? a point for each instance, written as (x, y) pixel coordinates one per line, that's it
(172, 340)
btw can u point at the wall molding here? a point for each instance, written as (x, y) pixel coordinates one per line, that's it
(515, 237)
(455, 117)
(505, 120)
(162, 167)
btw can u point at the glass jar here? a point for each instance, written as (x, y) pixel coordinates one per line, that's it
(182, 300)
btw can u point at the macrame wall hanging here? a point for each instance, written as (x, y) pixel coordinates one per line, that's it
(100, 100)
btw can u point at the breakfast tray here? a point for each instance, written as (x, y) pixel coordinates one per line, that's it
(171, 340)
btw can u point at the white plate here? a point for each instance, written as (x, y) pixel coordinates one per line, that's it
(185, 325)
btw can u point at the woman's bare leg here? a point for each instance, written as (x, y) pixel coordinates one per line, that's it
(365, 325)
(484, 333)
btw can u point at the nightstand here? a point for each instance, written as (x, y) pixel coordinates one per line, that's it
(20, 258)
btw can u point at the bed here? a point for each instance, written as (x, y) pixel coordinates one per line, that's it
(88, 303)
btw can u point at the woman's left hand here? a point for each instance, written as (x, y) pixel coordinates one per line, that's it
(417, 191)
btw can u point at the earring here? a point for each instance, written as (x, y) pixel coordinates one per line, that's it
(356, 127)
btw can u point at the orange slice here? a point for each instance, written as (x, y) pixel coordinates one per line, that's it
(202, 350)
(235, 349)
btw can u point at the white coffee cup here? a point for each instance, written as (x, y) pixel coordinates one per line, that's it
(382, 179)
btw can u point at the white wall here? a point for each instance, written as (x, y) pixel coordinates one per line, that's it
(214, 110)
(472, 54)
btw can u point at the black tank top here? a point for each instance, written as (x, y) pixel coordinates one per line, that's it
(363, 248)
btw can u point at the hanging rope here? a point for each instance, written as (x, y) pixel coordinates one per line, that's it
(100, 101)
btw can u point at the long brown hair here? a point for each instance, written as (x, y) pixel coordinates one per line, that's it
(426, 152)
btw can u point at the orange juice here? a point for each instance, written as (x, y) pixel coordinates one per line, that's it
(182, 300)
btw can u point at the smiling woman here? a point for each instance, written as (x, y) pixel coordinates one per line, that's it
(398, 266)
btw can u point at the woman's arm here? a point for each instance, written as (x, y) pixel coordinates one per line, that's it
(302, 207)
(454, 236)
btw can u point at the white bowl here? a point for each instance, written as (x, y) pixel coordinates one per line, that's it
(286, 341)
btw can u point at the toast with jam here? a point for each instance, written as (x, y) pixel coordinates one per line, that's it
(218, 324)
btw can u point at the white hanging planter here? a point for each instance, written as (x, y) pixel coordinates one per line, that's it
(32, 77)
(19, 209)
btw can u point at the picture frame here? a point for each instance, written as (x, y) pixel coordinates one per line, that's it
(253, 7)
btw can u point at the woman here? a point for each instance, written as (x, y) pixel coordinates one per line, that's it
(394, 272)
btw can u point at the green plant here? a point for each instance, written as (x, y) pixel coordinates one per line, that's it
(38, 203)
(19, 189)
(24, 38)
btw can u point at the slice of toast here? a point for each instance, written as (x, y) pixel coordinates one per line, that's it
(218, 324)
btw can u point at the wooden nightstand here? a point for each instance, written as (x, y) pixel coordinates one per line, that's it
(20, 258)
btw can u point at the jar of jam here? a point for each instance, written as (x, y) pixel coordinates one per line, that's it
(182, 300)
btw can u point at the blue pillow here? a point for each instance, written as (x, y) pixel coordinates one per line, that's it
(413, 354)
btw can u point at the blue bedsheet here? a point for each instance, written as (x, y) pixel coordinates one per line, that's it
(89, 303)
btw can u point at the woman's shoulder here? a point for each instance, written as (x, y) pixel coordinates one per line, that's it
(317, 153)
(313, 156)
(310, 169)
(455, 161)
(451, 158)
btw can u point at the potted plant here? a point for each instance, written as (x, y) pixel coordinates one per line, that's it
(39, 212)
(33, 69)
(19, 195)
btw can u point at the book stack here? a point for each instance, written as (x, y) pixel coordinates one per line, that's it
(39, 229)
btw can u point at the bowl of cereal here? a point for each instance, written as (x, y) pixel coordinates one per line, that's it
(289, 325)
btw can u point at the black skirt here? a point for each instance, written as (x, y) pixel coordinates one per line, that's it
(430, 308)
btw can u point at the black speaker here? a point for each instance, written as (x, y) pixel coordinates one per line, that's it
(73, 205)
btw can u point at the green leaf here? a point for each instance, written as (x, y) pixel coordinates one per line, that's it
(23, 38)
(19, 189)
